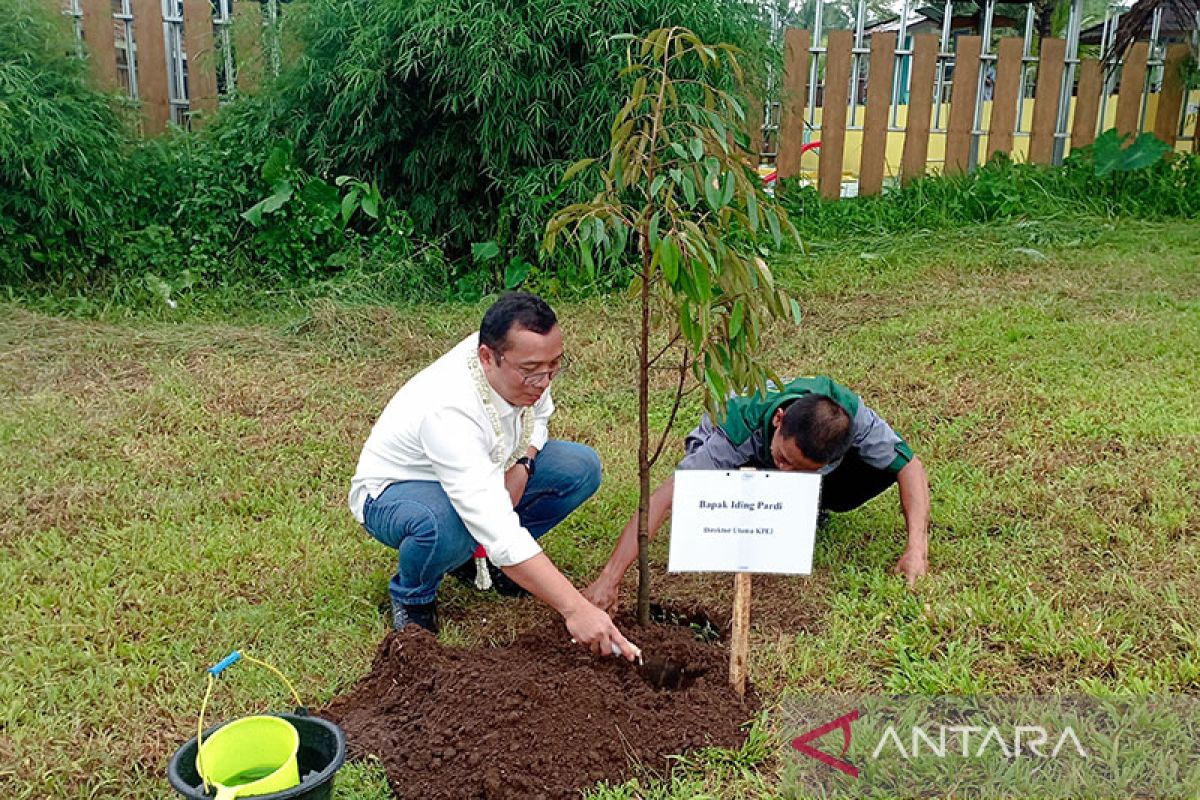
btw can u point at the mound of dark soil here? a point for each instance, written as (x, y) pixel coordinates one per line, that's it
(540, 718)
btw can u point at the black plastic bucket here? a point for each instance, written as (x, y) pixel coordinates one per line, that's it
(322, 753)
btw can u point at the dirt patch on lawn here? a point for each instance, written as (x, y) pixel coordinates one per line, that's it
(538, 718)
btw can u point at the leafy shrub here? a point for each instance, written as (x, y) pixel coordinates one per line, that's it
(62, 146)
(469, 111)
(86, 206)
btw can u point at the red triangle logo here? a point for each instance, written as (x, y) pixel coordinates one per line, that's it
(801, 743)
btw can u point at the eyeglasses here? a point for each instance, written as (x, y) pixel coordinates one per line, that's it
(535, 378)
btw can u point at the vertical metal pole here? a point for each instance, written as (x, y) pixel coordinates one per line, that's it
(1026, 58)
(1155, 66)
(1110, 75)
(130, 47)
(74, 10)
(222, 21)
(1074, 23)
(172, 14)
(814, 68)
(1187, 97)
(903, 55)
(1103, 31)
(766, 105)
(943, 56)
(860, 25)
(986, 58)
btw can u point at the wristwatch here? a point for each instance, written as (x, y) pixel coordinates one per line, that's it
(527, 463)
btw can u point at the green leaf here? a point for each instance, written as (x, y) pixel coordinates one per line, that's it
(370, 205)
(697, 148)
(668, 259)
(727, 189)
(482, 252)
(281, 194)
(712, 191)
(752, 208)
(517, 271)
(656, 185)
(254, 213)
(278, 162)
(320, 198)
(349, 204)
(599, 236)
(773, 222)
(718, 126)
(689, 188)
(703, 282)
(687, 326)
(735, 318)
(576, 168)
(639, 89)
(620, 241)
(796, 315)
(1110, 153)
(585, 258)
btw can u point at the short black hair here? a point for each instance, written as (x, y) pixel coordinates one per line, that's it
(515, 309)
(819, 427)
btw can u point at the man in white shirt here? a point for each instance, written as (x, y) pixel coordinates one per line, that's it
(462, 456)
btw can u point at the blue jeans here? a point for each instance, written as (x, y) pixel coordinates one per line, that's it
(417, 519)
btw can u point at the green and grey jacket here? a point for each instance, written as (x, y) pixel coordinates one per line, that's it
(743, 437)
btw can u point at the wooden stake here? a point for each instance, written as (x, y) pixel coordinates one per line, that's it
(739, 650)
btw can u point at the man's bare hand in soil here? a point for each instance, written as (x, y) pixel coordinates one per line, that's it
(604, 594)
(912, 565)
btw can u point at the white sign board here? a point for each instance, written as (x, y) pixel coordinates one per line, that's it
(744, 521)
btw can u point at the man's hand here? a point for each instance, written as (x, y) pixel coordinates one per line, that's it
(515, 481)
(587, 624)
(914, 499)
(912, 565)
(604, 594)
(592, 628)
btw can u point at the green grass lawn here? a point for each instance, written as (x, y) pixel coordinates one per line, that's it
(175, 489)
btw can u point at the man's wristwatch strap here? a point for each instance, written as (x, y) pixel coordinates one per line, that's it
(527, 463)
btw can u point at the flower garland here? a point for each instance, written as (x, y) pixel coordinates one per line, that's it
(484, 390)
(483, 578)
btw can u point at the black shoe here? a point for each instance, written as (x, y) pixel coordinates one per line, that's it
(504, 585)
(423, 614)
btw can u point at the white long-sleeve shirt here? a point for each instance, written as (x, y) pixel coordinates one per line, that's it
(437, 429)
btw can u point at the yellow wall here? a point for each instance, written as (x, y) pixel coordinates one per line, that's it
(937, 140)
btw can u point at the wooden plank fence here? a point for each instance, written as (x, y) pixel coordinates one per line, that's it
(960, 99)
(932, 104)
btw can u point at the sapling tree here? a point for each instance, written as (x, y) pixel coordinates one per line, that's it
(679, 197)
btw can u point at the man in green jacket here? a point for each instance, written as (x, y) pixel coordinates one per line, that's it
(811, 425)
